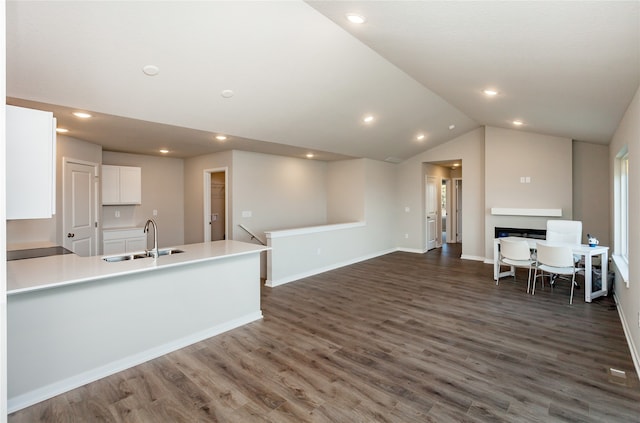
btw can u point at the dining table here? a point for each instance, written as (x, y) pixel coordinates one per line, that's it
(586, 252)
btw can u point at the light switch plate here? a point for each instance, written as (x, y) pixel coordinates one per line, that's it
(246, 213)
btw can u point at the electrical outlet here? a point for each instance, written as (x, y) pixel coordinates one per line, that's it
(155, 212)
(319, 251)
(117, 213)
(406, 236)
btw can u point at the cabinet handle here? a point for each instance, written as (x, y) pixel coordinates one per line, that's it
(70, 235)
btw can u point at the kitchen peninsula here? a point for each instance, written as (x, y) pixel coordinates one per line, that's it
(72, 320)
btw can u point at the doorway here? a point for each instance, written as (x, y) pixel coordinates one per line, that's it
(79, 207)
(432, 205)
(215, 204)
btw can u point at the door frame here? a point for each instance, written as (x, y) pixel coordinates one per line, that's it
(96, 200)
(438, 218)
(207, 202)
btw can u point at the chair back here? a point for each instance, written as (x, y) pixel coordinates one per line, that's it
(515, 249)
(554, 255)
(564, 231)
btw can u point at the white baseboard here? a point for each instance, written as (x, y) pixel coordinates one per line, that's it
(37, 395)
(291, 278)
(635, 356)
(411, 250)
(474, 258)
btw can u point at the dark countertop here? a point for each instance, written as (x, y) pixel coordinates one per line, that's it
(36, 252)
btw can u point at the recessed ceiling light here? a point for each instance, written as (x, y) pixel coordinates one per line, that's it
(368, 119)
(490, 92)
(310, 155)
(227, 93)
(62, 130)
(452, 127)
(518, 123)
(420, 137)
(164, 151)
(151, 70)
(82, 115)
(221, 137)
(355, 18)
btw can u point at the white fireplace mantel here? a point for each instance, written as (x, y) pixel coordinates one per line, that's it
(502, 211)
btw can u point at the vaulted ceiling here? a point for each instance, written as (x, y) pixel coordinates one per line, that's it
(294, 77)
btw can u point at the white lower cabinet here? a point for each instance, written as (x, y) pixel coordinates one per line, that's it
(118, 241)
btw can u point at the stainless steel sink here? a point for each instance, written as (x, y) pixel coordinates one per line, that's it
(169, 251)
(134, 256)
(124, 257)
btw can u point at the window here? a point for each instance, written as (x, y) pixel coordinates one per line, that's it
(621, 214)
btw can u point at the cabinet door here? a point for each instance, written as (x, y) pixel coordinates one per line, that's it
(110, 184)
(30, 163)
(113, 246)
(130, 185)
(136, 244)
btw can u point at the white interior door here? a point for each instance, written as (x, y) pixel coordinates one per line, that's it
(432, 212)
(79, 209)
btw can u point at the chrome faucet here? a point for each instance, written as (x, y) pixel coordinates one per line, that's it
(154, 252)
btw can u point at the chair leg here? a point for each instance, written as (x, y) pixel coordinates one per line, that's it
(529, 279)
(498, 278)
(573, 279)
(535, 278)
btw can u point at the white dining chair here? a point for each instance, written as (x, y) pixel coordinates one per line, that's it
(516, 253)
(565, 232)
(554, 260)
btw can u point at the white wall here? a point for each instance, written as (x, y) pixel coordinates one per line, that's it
(512, 154)
(469, 148)
(345, 191)
(370, 187)
(194, 168)
(162, 190)
(628, 133)
(280, 192)
(591, 189)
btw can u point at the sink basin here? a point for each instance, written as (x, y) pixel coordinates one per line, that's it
(125, 257)
(169, 251)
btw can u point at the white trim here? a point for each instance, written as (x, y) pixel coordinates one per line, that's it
(501, 211)
(313, 229)
(474, 258)
(21, 401)
(291, 278)
(635, 356)
(411, 250)
(622, 266)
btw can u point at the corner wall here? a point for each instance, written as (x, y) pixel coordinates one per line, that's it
(410, 187)
(513, 154)
(162, 190)
(628, 298)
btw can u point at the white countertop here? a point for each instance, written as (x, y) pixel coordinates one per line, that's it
(54, 271)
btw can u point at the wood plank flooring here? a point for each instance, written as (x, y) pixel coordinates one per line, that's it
(400, 338)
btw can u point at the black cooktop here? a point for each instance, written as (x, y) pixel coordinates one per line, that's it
(36, 252)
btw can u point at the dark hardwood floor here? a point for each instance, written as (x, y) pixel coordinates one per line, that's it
(400, 338)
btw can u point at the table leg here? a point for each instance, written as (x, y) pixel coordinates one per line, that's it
(495, 261)
(587, 278)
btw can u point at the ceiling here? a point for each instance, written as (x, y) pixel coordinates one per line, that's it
(303, 77)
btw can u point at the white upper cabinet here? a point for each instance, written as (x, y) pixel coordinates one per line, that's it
(31, 163)
(121, 185)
